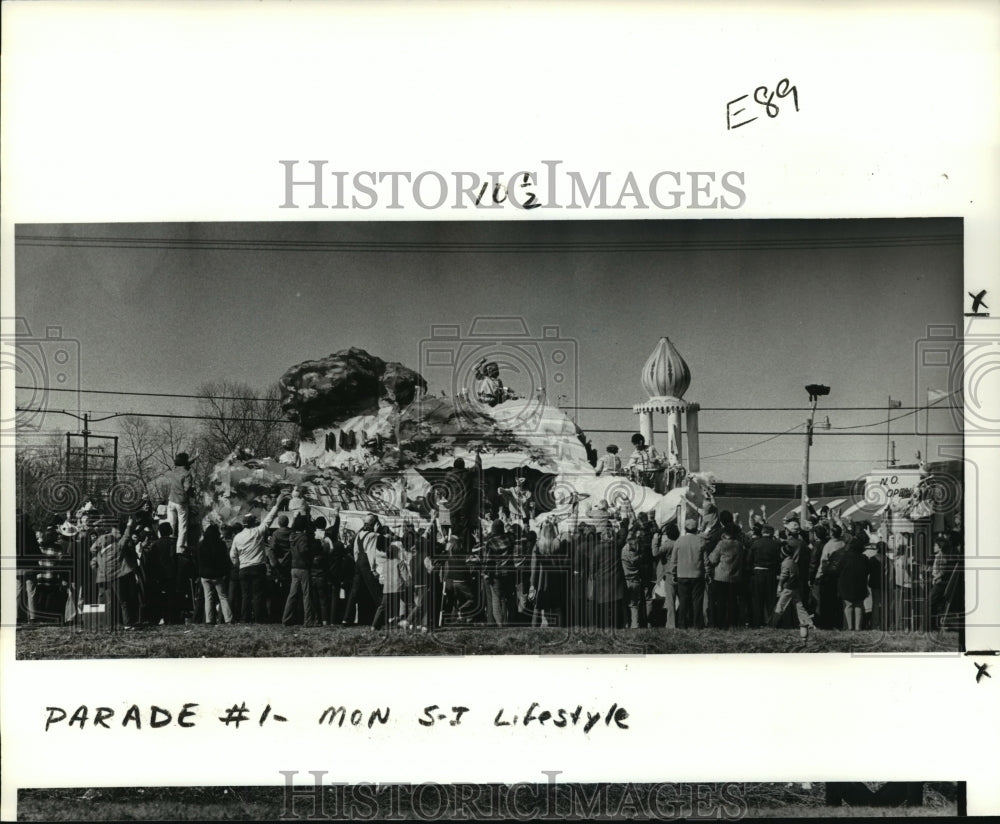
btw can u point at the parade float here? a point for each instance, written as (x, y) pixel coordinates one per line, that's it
(371, 438)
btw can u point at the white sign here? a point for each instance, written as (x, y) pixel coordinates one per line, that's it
(894, 487)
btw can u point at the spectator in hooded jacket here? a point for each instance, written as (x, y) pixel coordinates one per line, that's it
(212, 558)
(852, 584)
(726, 563)
(302, 549)
(827, 574)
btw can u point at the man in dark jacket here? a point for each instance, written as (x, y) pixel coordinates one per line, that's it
(212, 560)
(463, 505)
(160, 570)
(499, 559)
(609, 579)
(764, 559)
(302, 549)
(279, 569)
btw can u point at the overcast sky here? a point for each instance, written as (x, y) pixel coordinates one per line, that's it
(757, 309)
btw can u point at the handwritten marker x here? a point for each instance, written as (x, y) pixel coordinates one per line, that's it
(981, 672)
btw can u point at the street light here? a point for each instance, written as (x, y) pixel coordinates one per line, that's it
(816, 391)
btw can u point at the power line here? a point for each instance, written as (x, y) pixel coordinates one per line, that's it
(751, 446)
(539, 435)
(740, 245)
(587, 408)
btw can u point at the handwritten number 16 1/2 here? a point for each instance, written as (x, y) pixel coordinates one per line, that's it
(765, 98)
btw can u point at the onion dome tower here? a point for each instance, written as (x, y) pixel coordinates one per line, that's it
(666, 377)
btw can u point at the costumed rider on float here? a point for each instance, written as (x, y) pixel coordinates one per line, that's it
(645, 466)
(489, 388)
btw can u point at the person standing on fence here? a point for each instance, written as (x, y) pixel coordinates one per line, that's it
(180, 494)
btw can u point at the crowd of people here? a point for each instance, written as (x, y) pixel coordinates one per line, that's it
(476, 563)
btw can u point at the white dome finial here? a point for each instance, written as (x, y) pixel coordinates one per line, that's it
(666, 374)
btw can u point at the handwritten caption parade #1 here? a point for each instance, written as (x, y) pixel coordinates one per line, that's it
(531, 715)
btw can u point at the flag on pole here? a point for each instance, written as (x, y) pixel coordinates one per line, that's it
(895, 404)
(935, 395)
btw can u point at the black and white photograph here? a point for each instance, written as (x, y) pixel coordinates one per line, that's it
(436, 411)
(330, 439)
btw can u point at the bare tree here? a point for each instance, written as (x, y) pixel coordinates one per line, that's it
(147, 449)
(42, 491)
(237, 416)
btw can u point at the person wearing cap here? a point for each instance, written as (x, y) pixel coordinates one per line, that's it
(303, 548)
(764, 560)
(788, 593)
(181, 491)
(247, 552)
(687, 567)
(795, 539)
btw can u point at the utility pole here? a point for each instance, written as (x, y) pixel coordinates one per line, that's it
(86, 452)
(805, 467)
(815, 392)
(888, 427)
